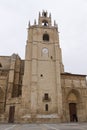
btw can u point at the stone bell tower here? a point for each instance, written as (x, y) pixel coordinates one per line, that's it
(41, 92)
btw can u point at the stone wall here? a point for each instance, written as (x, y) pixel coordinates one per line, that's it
(74, 90)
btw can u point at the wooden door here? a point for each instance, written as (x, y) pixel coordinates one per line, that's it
(11, 114)
(73, 112)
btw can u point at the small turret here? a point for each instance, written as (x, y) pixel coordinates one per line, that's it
(50, 15)
(35, 22)
(39, 14)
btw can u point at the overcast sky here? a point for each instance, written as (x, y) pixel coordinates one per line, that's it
(71, 17)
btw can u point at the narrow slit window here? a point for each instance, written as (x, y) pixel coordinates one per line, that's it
(46, 107)
(0, 65)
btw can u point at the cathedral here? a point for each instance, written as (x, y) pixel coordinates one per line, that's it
(36, 89)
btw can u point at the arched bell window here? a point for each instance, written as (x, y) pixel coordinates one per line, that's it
(45, 23)
(45, 37)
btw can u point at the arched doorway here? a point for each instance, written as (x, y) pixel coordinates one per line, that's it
(73, 105)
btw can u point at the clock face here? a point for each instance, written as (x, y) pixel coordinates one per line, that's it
(45, 50)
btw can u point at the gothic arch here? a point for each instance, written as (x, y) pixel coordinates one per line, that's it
(45, 23)
(73, 95)
(45, 37)
(73, 104)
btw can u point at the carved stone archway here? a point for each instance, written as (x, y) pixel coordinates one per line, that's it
(72, 105)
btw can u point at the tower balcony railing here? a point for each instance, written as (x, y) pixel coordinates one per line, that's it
(44, 99)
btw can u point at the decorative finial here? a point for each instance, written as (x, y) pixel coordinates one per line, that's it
(54, 23)
(35, 22)
(50, 15)
(29, 24)
(43, 13)
(39, 14)
(46, 13)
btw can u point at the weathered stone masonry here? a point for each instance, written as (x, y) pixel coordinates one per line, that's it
(37, 89)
